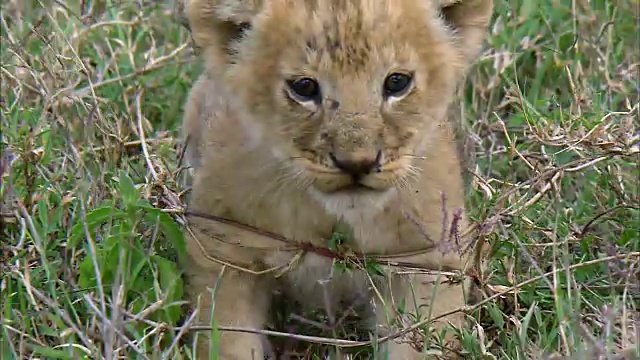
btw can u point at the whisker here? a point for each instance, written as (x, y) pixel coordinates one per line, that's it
(287, 174)
(401, 183)
(414, 170)
(410, 156)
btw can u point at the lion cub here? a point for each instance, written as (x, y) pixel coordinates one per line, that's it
(319, 112)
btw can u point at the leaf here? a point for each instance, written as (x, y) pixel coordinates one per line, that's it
(107, 259)
(138, 263)
(94, 218)
(56, 218)
(127, 190)
(86, 279)
(170, 229)
(525, 324)
(374, 268)
(50, 353)
(496, 315)
(43, 216)
(167, 271)
(214, 345)
(170, 282)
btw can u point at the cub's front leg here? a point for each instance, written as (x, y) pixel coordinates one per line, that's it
(430, 296)
(240, 299)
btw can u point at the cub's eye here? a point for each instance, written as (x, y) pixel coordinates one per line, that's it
(396, 83)
(305, 88)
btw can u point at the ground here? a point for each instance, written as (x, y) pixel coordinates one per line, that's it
(91, 181)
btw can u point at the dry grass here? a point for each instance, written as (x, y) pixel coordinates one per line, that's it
(91, 196)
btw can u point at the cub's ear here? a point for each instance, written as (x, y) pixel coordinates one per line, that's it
(470, 20)
(215, 24)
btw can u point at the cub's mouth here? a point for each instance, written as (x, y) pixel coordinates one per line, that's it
(349, 185)
(356, 187)
(336, 181)
(354, 175)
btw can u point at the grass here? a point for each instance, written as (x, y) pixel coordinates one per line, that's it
(91, 193)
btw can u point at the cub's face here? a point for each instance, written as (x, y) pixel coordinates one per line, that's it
(347, 94)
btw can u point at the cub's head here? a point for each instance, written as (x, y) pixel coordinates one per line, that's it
(349, 93)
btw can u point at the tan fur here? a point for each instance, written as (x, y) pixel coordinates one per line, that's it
(262, 158)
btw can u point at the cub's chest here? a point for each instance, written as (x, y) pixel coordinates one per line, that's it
(366, 232)
(375, 225)
(316, 279)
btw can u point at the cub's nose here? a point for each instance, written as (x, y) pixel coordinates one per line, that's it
(357, 166)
